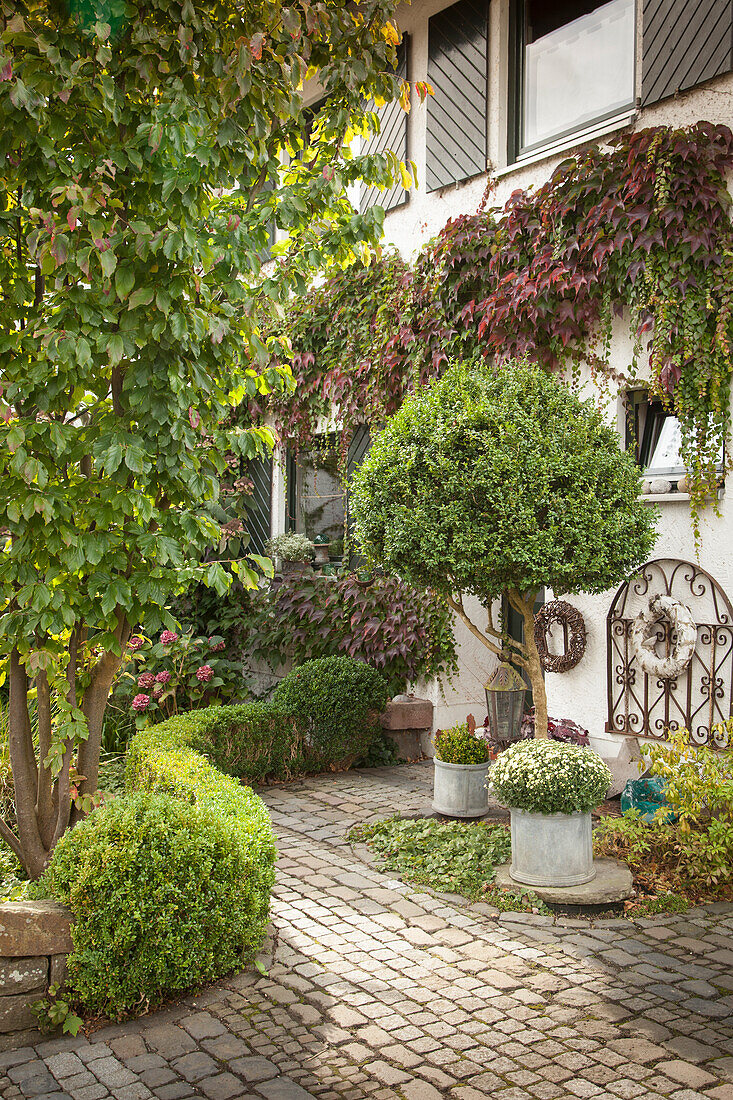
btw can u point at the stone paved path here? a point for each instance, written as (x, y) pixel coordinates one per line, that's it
(377, 990)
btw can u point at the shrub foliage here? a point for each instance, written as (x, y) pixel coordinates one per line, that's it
(402, 631)
(339, 700)
(460, 745)
(167, 892)
(695, 853)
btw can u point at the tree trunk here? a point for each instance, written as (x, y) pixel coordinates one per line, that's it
(43, 801)
(524, 604)
(30, 848)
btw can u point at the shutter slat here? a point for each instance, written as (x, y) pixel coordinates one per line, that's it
(392, 136)
(458, 71)
(685, 43)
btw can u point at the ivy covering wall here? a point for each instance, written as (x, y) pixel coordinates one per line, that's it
(640, 230)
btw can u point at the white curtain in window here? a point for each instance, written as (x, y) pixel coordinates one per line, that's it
(580, 72)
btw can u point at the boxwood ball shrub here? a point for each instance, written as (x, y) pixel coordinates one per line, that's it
(339, 700)
(166, 894)
(548, 777)
(459, 746)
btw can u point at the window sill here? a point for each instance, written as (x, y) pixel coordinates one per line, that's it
(562, 145)
(672, 498)
(663, 498)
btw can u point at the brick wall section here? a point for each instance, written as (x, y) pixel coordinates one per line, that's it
(35, 938)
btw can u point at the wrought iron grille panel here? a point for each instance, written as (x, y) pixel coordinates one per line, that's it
(700, 697)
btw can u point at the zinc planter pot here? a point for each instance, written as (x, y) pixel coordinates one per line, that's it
(551, 849)
(460, 789)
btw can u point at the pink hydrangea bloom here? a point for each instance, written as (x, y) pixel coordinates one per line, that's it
(141, 703)
(157, 690)
(136, 642)
(145, 681)
(216, 647)
(163, 677)
(204, 673)
(168, 637)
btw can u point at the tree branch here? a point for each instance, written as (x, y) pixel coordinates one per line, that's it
(11, 840)
(44, 784)
(459, 609)
(63, 783)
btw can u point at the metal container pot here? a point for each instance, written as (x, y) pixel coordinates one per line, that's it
(551, 849)
(460, 789)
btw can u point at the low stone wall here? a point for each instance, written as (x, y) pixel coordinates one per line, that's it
(35, 938)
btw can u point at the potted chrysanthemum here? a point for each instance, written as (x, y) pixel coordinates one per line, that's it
(550, 789)
(461, 761)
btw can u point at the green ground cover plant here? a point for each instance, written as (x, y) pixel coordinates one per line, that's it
(451, 856)
(454, 857)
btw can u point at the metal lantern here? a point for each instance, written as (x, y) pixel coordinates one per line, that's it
(505, 690)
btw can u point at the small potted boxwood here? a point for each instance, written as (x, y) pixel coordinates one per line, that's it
(462, 759)
(294, 551)
(550, 789)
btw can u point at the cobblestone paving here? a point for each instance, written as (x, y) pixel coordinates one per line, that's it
(376, 990)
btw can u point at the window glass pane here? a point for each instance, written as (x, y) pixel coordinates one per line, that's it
(320, 494)
(666, 453)
(578, 65)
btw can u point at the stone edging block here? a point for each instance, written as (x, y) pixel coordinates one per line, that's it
(33, 928)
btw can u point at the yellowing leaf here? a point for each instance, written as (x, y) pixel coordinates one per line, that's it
(405, 96)
(391, 34)
(405, 177)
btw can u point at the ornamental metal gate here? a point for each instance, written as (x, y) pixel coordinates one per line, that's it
(698, 698)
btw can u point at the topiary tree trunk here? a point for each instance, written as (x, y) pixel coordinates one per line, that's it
(524, 655)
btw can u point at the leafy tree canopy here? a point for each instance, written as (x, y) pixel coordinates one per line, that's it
(145, 148)
(499, 482)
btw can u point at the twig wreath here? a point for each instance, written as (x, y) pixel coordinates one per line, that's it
(562, 613)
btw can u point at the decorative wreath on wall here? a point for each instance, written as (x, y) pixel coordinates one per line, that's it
(567, 616)
(643, 637)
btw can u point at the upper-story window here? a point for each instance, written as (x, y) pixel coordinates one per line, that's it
(575, 66)
(654, 433)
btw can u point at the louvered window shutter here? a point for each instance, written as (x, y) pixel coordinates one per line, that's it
(358, 450)
(392, 136)
(458, 73)
(685, 43)
(259, 504)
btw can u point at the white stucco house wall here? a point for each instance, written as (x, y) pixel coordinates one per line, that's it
(600, 68)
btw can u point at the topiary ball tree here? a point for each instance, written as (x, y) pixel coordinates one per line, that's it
(499, 481)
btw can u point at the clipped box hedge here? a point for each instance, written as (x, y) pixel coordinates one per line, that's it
(253, 741)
